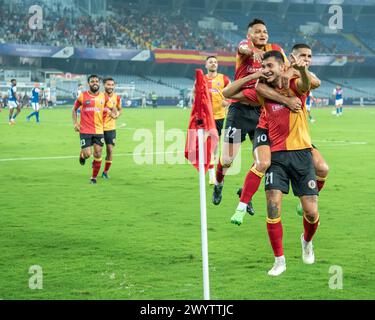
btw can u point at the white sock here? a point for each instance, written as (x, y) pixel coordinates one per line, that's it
(280, 260)
(242, 206)
(305, 243)
(211, 173)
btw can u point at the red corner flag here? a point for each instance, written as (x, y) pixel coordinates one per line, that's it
(201, 118)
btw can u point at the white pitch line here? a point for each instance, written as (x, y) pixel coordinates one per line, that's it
(73, 157)
(335, 143)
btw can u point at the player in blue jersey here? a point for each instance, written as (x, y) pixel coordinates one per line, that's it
(309, 102)
(13, 102)
(35, 103)
(339, 101)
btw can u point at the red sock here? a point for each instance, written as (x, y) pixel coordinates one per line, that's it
(219, 173)
(107, 166)
(251, 185)
(310, 229)
(96, 167)
(275, 233)
(320, 184)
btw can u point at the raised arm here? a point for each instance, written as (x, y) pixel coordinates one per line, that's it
(303, 83)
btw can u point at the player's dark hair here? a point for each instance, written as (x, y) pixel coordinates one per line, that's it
(108, 79)
(92, 76)
(256, 21)
(301, 46)
(209, 57)
(274, 53)
(11, 80)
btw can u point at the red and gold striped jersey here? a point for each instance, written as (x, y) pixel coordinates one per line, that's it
(286, 130)
(113, 101)
(215, 88)
(92, 110)
(246, 65)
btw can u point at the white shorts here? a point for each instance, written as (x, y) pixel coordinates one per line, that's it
(339, 102)
(12, 104)
(35, 106)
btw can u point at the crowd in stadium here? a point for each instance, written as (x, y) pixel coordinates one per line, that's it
(127, 29)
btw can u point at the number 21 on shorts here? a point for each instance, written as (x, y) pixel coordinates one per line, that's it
(269, 178)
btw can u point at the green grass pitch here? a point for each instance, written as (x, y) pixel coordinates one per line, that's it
(137, 235)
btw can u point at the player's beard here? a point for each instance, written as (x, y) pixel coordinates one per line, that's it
(94, 89)
(109, 91)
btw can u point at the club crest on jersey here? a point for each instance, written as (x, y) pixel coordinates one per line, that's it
(311, 184)
(87, 102)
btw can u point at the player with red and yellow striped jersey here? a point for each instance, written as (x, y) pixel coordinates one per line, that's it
(112, 111)
(91, 104)
(243, 116)
(216, 83)
(291, 158)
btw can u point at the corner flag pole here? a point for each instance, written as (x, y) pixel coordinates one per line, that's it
(202, 189)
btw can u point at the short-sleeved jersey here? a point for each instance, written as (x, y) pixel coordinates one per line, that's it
(12, 94)
(215, 88)
(286, 130)
(337, 93)
(92, 112)
(113, 101)
(35, 95)
(246, 65)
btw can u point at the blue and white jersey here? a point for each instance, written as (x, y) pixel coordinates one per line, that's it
(12, 94)
(309, 99)
(338, 94)
(35, 95)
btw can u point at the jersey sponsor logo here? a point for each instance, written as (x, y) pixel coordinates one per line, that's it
(312, 184)
(277, 107)
(252, 69)
(95, 109)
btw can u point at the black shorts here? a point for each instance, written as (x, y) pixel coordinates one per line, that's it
(110, 137)
(292, 166)
(241, 120)
(219, 125)
(261, 138)
(87, 140)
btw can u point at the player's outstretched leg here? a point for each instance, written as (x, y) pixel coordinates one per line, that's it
(275, 231)
(310, 224)
(229, 152)
(262, 158)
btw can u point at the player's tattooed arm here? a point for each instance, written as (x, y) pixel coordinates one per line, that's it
(265, 91)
